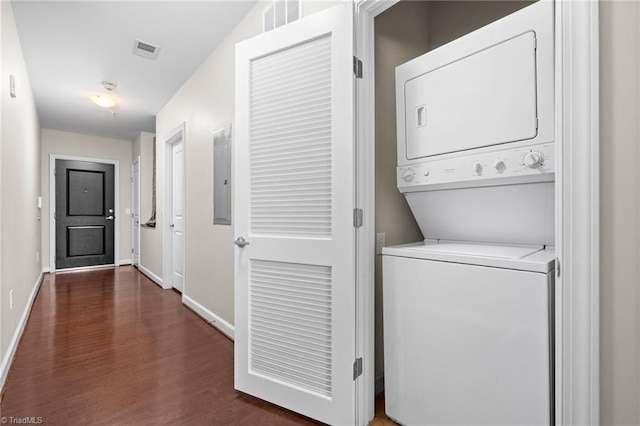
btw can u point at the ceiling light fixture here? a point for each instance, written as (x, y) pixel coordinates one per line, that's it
(103, 101)
(108, 85)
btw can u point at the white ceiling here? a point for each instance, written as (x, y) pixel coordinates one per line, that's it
(70, 47)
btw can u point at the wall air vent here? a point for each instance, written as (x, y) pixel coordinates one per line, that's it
(146, 50)
(280, 12)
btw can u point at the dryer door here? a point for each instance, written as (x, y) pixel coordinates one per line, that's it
(488, 98)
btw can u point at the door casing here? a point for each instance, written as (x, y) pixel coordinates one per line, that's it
(135, 204)
(52, 208)
(174, 136)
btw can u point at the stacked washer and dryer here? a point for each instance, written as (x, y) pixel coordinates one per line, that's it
(468, 312)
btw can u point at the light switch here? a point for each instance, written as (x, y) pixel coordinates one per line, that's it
(380, 242)
(12, 85)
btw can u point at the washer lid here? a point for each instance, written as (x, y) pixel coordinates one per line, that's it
(482, 250)
(524, 258)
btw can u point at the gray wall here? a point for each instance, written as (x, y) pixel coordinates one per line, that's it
(401, 34)
(619, 213)
(449, 20)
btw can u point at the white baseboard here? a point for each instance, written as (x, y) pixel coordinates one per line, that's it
(17, 335)
(124, 262)
(213, 319)
(379, 384)
(153, 277)
(46, 270)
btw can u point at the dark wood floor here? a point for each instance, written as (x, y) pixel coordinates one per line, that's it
(109, 347)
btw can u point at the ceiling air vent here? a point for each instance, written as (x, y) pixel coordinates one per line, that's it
(145, 50)
(280, 12)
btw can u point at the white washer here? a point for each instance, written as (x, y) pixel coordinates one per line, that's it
(468, 334)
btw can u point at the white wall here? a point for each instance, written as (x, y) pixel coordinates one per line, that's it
(619, 213)
(205, 103)
(77, 145)
(19, 188)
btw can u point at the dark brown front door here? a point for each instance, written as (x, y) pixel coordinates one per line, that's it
(84, 213)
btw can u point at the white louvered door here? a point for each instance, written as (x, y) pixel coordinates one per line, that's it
(295, 306)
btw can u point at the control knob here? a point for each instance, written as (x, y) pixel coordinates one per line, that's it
(478, 168)
(500, 165)
(533, 159)
(407, 175)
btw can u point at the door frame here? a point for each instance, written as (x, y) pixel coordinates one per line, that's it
(52, 208)
(173, 137)
(135, 161)
(577, 216)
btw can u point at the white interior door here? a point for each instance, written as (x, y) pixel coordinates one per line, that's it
(295, 304)
(135, 212)
(177, 216)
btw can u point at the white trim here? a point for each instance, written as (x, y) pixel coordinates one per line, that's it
(124, 262)
(577, 213)
(52, 204)
(212, 319)
(46, 270)
(153, 277)
(176, 135)
(17, 335)
(366, 11)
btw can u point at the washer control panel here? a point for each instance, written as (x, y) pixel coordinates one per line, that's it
(535, 163)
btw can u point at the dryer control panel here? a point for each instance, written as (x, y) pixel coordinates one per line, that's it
(533, 163)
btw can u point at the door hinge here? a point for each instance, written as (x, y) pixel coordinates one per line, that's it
(357, 218)
(132, 250)
(357, 368)
(357, 67)
(557, 267)
(54, 215)
(54, 171)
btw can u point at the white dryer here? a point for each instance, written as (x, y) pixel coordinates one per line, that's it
(468, 334)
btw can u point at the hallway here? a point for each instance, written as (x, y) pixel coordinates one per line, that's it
(110, 347)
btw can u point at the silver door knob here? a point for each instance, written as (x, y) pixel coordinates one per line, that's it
(241, 242)
(172, 226)
(109, 217)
